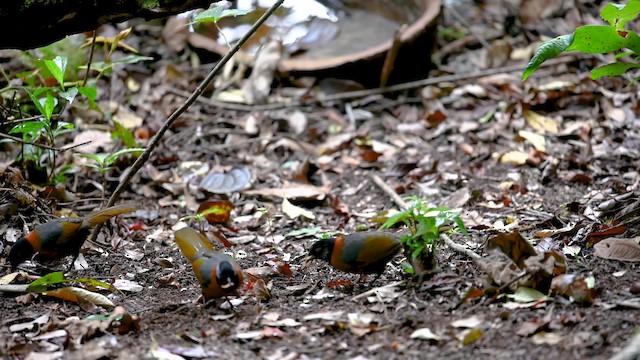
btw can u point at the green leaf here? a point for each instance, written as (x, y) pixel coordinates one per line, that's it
(612, 70)
(36, 101)
(57, 67)
(546, 51)
(90, 92)
(28, 127)
(112, 158)
(49, 104)
(70, 94)
(131, 59)
(44, 282)
(602, 39)
(99, 158)
(123, 133)
(399, 217)
(618, 15)
(217, 13)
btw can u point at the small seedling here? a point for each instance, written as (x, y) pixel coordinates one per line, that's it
(104, 162)
(425, 224)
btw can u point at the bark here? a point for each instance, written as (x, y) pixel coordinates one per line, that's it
(27, 24)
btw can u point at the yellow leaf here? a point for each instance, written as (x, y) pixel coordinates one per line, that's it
(514, 157)
(77, 295)
(541, 123)
(537, 140)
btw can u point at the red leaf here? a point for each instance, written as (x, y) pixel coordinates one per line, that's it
(216, 211)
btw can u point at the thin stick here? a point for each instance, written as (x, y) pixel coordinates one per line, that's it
(392, 54)
(377, 91)
(375, 290)
(436, 80)
(167, 124)
(17, 139)
(459, 248)
(389, 191)
(93, 45)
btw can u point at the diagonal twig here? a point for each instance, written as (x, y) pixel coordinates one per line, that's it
(167, 124)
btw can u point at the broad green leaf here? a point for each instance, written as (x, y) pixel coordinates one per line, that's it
(217, 13)
(546, 51)
(44, 282)
(57, 67)
(90, 92)
(602, 39)
(617, 15)
(612, 70)
(28, 127)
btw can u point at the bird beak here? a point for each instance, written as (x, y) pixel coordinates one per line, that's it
(227, 285)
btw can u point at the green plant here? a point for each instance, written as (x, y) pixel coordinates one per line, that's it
(598, 39)
(425, 224)
(216, 14)
(104, 162)
(44, 126)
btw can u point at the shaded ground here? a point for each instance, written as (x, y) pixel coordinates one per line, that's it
(458, 162)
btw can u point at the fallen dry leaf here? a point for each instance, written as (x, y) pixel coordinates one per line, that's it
(620, 249)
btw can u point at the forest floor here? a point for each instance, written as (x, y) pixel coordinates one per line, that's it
(554, 159)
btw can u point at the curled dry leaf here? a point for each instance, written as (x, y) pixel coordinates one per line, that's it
(513, 245)
(258, 86)
(575, 287)
(260, 290)
(536, 273)
(237, 179)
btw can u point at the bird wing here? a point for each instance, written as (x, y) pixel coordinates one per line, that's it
(377, 248)
(192, 243)
(102, 215)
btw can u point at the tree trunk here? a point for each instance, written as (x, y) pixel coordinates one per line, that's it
(27, 24)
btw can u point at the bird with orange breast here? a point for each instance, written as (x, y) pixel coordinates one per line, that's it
(59, 238)
(219, 274)
(366, 252)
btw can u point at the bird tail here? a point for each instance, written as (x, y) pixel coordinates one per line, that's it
(192, 243)
(102, 215)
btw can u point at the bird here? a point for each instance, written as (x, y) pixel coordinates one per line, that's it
(366, 252)
(218, 274)
(59, 238)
